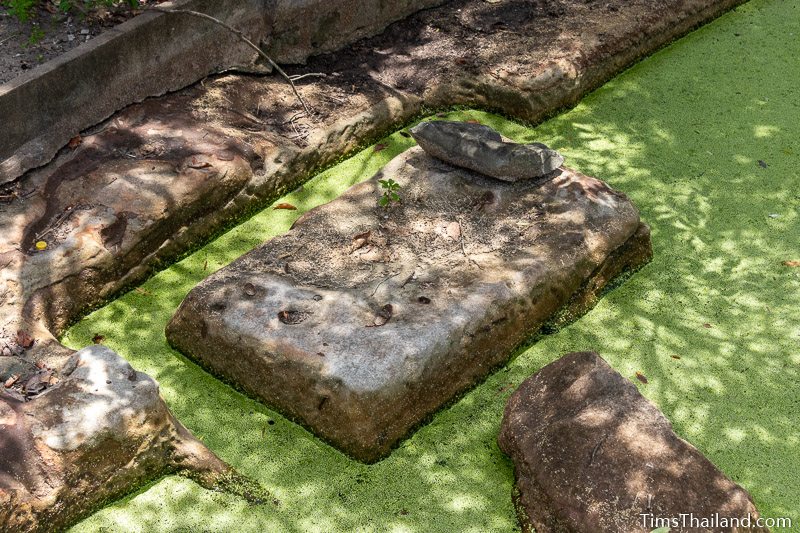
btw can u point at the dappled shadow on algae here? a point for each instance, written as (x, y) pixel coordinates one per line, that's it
(712, 322)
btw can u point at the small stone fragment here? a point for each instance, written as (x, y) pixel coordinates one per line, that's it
(453, 231)
(482, 149)
(104, 422)
(384, 315)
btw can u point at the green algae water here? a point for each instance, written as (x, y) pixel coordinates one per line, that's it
(704, 137)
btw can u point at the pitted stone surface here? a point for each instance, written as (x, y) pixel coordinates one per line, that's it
(592, 454)
(361, 321)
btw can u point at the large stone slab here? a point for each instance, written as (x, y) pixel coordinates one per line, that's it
(592, 454)
(361, 321)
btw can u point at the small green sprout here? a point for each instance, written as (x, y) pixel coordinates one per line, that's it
(390, 188)
(37, 34)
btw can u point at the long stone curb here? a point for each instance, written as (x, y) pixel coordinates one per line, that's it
(155, 53)
(146, 56)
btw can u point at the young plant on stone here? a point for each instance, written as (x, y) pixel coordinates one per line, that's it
(390, 194)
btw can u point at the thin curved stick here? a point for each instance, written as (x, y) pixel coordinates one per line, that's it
(244, 39)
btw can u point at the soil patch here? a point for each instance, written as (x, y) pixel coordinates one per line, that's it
(50, 32)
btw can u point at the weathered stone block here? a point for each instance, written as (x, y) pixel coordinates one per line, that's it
(482, 149)
(592, 454)
(361, 321)
(100, 430)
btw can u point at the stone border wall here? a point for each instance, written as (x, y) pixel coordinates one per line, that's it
(154, 53)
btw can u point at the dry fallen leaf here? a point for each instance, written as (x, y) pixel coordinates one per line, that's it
(473, 121)
(141, 290)
(793, 263)
(707, 325)
(383, 315)
(197, 163)
(380, 146)
(37, 383)
(290, 207)
(10, 381)
(292, 317)
(24, 340)
(97, 339)
(641, 377)
(675, 356)
(75, 142)
(13, 394)
(360, 240)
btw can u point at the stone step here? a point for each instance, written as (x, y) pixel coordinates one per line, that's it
(362, 321)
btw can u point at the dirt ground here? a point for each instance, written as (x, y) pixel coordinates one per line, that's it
(50, 32)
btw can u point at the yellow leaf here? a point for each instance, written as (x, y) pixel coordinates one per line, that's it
(41, 245)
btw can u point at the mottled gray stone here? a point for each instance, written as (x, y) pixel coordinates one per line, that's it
(482, 149)
(592, 454)
(361, 321)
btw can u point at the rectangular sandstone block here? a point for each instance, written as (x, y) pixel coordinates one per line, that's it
(592, 454)
(361, 321)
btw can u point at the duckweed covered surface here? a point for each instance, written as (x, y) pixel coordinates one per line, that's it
(704, 137)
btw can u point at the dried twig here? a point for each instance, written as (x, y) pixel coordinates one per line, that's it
(59, 219)
(463, 248)
(378, 286)
(244, 39)
(297, 77)
(291, 119)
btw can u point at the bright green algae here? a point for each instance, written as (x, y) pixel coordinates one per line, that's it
(683, 134)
